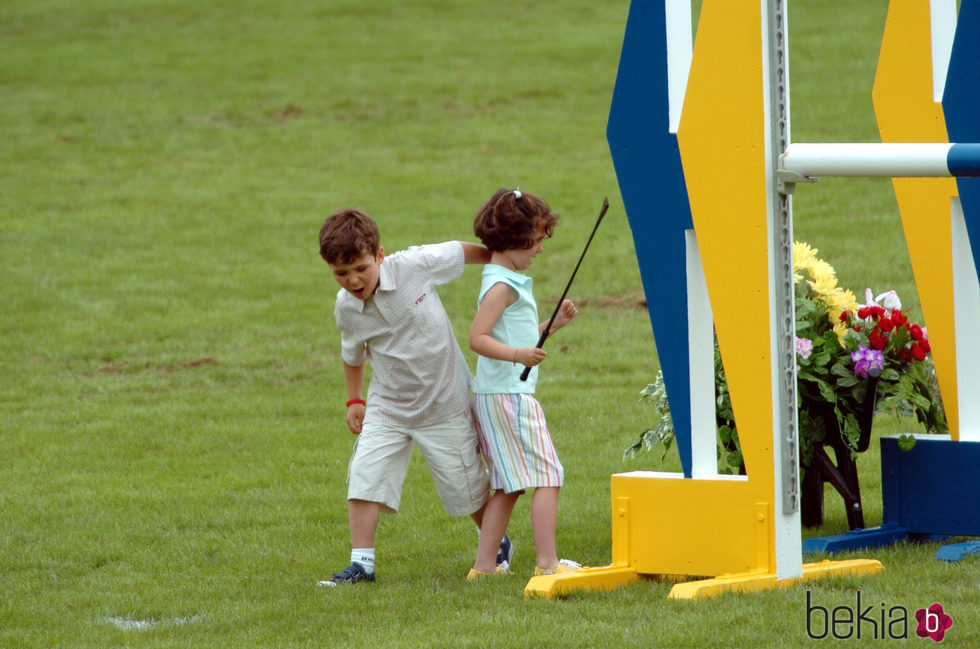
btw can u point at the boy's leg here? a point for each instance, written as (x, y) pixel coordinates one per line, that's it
(374, 480)
(363, 517)
(544, 522)
(477, 516)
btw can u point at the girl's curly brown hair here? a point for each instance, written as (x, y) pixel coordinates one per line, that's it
(509, 219)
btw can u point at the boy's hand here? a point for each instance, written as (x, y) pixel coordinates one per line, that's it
(355, 415)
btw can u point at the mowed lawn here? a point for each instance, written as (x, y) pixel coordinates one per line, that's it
(172, 443)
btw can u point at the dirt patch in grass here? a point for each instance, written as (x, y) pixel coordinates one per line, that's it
(634, 300)
(117, 367)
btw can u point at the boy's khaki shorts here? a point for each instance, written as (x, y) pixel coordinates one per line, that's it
(451, 451)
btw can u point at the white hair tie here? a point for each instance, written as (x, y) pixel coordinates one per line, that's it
(517, 193)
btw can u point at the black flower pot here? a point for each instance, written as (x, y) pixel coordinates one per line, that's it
(842, 474)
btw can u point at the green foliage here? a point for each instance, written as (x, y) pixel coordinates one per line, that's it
(663, 435)
(728, 447)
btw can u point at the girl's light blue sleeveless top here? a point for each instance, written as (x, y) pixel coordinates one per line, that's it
(517, 327)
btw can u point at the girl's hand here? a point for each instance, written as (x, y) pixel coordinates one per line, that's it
(565, 313)
(355, 415)
(529, 356)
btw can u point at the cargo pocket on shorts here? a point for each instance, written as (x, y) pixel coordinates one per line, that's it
(477, 480)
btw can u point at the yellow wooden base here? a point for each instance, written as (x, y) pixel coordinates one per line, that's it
(614, 576)
(604, 578)
(758, 580)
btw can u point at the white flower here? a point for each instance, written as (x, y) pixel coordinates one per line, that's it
(891, 300)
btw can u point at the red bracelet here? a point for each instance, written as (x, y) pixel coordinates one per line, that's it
(351, 402)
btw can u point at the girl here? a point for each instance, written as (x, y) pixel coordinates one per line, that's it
(513, 434)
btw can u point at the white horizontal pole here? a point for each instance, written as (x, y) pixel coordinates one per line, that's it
(884, 159)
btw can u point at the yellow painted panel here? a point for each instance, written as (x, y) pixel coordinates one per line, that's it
(722, 144)
(907, 112)
(682, 526)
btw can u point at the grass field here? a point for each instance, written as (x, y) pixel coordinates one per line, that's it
(173, 451)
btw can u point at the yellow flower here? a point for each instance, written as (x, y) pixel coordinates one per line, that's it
(803, 256)
(823, 285)
(822, 273)
(840, 301)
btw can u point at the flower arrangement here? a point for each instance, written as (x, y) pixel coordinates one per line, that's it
(843, 349)
(841, 344)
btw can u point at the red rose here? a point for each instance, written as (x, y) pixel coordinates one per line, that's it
(864, 312)
(924, 344)
(886, 324)
(918, 353)
(915, 331)
(877, 341)
(877, 311)
(904, 354)
(899, 318)
(843, 316)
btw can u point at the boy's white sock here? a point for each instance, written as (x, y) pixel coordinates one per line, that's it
(365, 557)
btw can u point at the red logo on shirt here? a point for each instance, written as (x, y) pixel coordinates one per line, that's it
(420, 298)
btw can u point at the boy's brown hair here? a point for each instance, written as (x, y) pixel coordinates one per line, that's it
(347, 236)
(509, 219)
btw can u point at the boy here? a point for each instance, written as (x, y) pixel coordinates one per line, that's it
(419, 394)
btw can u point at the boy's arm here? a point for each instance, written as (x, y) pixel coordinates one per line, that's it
(474, 253)
(354, 377)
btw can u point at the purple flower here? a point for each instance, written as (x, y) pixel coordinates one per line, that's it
(804, 346)
(865, 360)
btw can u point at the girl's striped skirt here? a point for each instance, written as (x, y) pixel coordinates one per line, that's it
(515, 440)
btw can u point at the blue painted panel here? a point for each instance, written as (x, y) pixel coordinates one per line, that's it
(961, 108)
(651, 180)
(933, 488)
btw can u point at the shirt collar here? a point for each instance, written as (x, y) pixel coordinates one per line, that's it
(386, 280)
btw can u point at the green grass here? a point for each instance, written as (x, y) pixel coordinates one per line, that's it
(172, 445)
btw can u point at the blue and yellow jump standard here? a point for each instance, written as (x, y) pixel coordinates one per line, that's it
(700, 141)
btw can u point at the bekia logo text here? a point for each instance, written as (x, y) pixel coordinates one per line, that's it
(874, 622)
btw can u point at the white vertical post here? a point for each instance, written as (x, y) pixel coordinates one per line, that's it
(704, 426)
(942, 25)
(786, 524)
(966, 316)
(679, 52)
